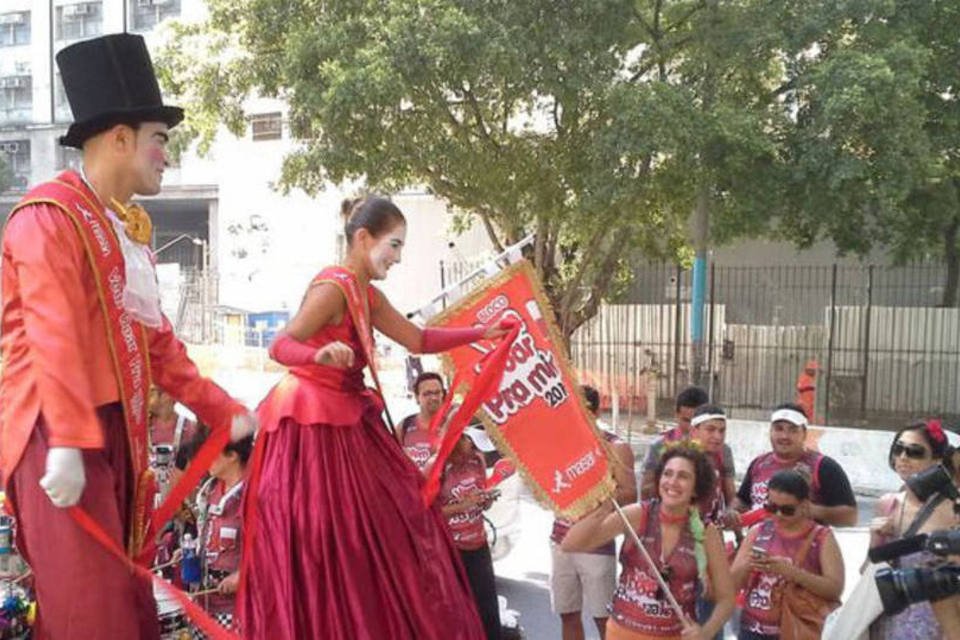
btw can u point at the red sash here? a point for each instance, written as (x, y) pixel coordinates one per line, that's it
(359, 308)
(125, 336)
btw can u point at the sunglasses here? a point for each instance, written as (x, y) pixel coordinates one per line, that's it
(785, 509)
(912, 451)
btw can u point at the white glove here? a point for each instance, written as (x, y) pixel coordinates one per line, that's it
(65, 477)
(243, 425)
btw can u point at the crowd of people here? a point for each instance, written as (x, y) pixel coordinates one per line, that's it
(687, 503)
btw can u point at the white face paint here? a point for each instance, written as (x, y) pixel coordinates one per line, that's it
(385, 251)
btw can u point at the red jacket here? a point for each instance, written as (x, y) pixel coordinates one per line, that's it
(53, 338)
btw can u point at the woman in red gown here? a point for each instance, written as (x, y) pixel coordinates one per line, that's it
(344, 547)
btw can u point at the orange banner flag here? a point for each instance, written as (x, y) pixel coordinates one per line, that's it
(537, 417)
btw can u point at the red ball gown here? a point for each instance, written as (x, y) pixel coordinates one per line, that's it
(343, 546)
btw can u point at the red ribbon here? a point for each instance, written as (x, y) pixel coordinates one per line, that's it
(196, 614)
(202, 461)
(503, 469)
(486, 383)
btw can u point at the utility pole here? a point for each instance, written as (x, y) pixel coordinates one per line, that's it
(700, 232)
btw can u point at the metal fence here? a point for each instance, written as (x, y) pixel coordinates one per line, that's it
(887, 353)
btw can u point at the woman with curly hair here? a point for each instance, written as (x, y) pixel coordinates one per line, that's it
(688, 555)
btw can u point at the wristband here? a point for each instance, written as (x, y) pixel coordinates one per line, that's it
(291, 352)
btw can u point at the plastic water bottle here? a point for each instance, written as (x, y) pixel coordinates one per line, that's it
(190, 562)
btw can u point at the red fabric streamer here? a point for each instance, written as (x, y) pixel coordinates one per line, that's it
(202, 461)
(484, 385)
(751, 518)
(196, 613)
(250, 518)
(503, 469)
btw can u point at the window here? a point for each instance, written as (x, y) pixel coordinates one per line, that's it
(14, 28)
(79, 20)
(266, 126)
(16, 154)
(61, 108)
(16, 98)
(147, 13)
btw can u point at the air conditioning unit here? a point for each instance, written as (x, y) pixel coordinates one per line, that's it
(145, 3)
(13, 18)
(162, 3)
(81, 9)
(10, 147)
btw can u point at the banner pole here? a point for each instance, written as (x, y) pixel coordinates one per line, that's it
(510, 255)
(653, 567)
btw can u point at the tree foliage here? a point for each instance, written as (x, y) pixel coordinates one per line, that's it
(601, 126)
(873, 155)
(591, 125)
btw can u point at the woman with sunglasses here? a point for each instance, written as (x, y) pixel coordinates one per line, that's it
(915, 448)
(688, 555)
(789, 547)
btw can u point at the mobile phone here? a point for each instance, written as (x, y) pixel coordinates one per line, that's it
(759, 553)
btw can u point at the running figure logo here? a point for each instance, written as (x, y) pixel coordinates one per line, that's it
(559, 484)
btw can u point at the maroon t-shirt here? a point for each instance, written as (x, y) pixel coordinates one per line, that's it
(418, 444)
(461, 479)
(221, 528)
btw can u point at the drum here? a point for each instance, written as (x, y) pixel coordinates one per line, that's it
(173, 622)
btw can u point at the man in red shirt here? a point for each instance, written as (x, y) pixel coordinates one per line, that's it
(414, 432)
(83, 337)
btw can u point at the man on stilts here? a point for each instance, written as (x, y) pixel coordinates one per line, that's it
(83, 337)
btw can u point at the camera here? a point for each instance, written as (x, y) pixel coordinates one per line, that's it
(899, 588)
(942, 543)
(932, 481)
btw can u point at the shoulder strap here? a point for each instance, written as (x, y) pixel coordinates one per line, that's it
(924, 514)
(178, 431)
(807, 543)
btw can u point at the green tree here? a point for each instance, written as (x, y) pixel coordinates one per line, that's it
(598, 126)
(874, 155)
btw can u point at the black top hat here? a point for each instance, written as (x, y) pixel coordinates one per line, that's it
(110, 80)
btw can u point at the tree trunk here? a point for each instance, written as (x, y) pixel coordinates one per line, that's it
(952, 255)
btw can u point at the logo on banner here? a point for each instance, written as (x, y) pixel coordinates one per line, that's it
(530, 373)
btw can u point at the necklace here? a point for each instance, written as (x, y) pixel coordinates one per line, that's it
(668, 518)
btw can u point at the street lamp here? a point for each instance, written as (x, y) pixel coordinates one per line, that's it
(195, 240)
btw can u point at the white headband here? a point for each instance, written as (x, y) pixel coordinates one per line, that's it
(706, 417)
(789, 415)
